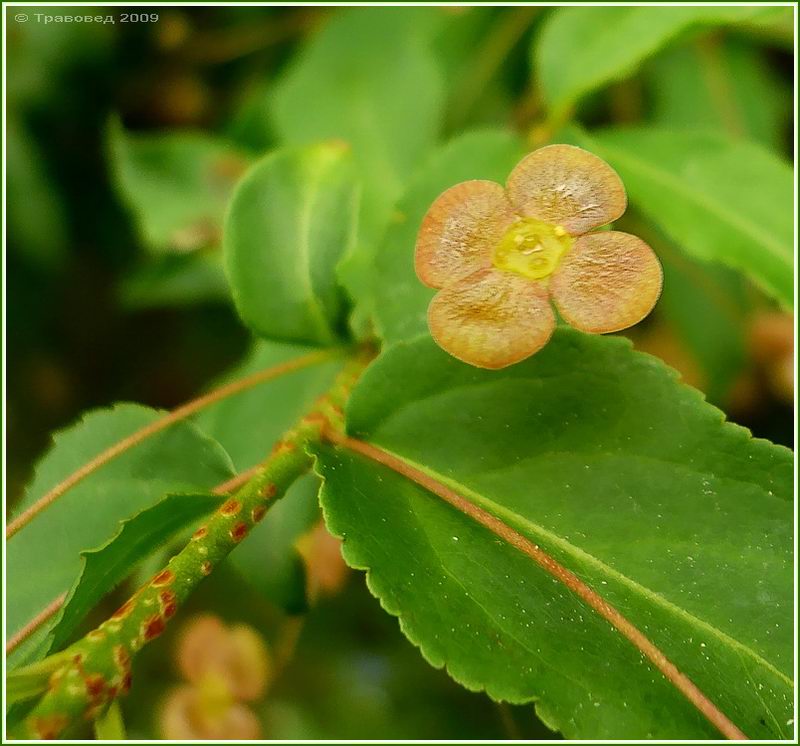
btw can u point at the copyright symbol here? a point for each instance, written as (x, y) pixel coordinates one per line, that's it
(20, 18)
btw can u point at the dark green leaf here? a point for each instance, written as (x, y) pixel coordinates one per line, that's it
(583, 48)
(723, 84)
(177, 185)
(707, 306)
(718, 199)
(44, 557)
(401, 313)
(598, 455)
(176, 281)
(37, 223)
(291, 219)
(107, 566)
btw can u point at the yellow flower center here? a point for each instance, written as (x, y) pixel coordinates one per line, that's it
(532, 248)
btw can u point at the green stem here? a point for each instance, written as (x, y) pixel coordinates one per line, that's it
(98, 667)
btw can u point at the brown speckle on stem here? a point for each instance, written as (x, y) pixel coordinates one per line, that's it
(239, 531)
(165, 577)
(168, 602)
(230, 508)
(152, 627)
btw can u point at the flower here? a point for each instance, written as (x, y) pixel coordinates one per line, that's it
(237, 655)
(500, 256)
(225, 667)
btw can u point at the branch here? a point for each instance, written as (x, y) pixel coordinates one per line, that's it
(53, 607)
(99, 667)
(593, 599)
(181, 413)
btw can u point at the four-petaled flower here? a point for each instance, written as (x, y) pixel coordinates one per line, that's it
(499, 256)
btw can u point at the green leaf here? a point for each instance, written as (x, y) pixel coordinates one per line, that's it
(107, 566)
(248, 425)
(355, 80)
(718, 199)
(581, 49)
(707, 306)
(269, 560)
(176, 281)
(177, 185)
(602, 458)
(370, 78)
(723, 84)
(110, 726)
(401, 313)
(28, 682)
(37, 222)
(290, 220)
(43, 559)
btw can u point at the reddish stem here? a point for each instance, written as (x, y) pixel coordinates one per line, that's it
(679, 680)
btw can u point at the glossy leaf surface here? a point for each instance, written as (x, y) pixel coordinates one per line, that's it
(598, 455)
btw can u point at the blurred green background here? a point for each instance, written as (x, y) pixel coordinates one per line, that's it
(124, 141)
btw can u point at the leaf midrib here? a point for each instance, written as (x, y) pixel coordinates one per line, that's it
(578, 553)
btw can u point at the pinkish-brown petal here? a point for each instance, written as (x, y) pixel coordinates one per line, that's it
(608, 281)
(567, 186)
(460, 230)
(491, 318)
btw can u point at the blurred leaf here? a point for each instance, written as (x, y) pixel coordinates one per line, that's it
(775, 28)
(401, 313)
(37, 226)
(110, 726)
(269, 560)
(723, 84)
(291, 219)
(354, 81)
(369, 78)
(176, 281)
(476, 50)
(598, 455)
(44, 557)
(248, 125)
(584, 48)
(30, 681)
(176, 184)
(47, 58)
(706, 305)
(718, 199)
(105, 567)
(249, 424)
